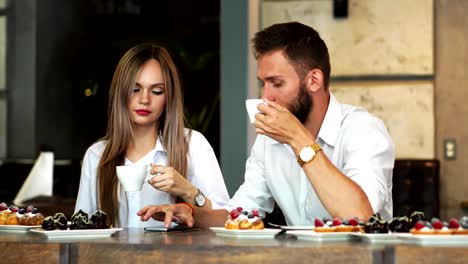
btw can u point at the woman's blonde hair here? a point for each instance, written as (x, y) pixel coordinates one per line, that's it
(119, 133)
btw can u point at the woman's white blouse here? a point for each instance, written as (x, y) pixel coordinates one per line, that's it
(203, 172)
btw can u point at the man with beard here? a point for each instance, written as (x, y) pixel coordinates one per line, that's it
(313, 156)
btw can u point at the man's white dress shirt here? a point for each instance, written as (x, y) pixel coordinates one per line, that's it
(203, 172)
(355, 141)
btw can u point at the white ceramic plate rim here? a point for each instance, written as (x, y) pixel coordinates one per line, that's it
(304, 228)
(17, 227)
(246, 233)
(435, 239)
(321, 236)
(80, 233)
(379, 237)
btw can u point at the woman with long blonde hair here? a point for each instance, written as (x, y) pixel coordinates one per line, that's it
(146, 126)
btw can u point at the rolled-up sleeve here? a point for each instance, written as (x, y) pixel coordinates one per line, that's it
(254, 192)
(205, 173)
(369, 160)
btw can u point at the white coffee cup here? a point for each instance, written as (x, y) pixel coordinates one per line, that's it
(252, 110)
(132, 177)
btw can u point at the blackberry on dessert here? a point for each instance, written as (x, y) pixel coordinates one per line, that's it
(99, 218)
(79, 214)
(49, 223)
(399, 225)
(79, 220)
(57, 221)
(376, 225)
(61, 221)
(415, 217)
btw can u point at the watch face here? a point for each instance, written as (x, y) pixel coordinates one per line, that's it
(306, 154)
(200, 199)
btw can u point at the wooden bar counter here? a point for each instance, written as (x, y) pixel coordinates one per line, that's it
(136, 246)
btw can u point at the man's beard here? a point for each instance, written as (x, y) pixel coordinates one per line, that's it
(302, 104)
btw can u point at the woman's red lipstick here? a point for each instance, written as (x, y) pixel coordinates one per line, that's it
(143, 112)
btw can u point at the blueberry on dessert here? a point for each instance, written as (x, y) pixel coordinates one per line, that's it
(22, 220)
(464, 222)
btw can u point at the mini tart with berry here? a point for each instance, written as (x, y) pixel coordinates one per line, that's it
(322, 225)
(337, 225)
(14, 217)
(4, 213)
(32, 217)
(231, 224)
(459, 227)
(241, 219)
(435, 227)
(19, 216)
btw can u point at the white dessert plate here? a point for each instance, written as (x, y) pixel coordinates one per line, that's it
(285, 227)
(16, 228)
(377, 238)
(245, 233)
(434, 239)
(76, 234)
(305, 228)
(319, 236)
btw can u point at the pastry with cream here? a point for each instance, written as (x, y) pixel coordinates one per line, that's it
(242, 219)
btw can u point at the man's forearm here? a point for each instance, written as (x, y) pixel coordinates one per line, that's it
(206, 218)
(340, 195)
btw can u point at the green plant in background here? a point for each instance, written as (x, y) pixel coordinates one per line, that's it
(201, 91)
(201, 119)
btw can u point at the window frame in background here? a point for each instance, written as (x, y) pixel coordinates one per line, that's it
(3, 88)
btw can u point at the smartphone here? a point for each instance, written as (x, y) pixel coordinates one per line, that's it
(170, 229)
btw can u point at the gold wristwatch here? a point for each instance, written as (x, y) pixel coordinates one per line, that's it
(307, 154)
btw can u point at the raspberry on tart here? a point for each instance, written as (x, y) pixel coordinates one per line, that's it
(239, 218)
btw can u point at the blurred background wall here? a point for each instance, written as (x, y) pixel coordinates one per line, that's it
(405, 61)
